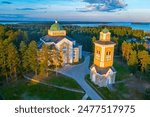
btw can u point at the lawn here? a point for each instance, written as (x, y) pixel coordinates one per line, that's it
(121, 68)
(105, 93)
(128, 90)
(60, 80)
(26, 90)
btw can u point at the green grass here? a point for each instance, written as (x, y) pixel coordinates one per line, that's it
(62, 80)
(121, 68)
(105, 93)
(23, 89)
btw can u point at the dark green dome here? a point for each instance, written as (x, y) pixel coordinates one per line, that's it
(105, 30)
(56, 27)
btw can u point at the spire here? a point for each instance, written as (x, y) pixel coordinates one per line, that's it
(56, 21)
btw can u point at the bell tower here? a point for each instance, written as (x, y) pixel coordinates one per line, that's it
(102, 71)
(104, 50)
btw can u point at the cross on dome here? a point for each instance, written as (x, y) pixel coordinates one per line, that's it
(56, 21)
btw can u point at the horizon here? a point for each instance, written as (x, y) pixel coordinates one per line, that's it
(76, 10)
(66, 21)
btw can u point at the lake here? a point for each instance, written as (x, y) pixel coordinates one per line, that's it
(137, 26)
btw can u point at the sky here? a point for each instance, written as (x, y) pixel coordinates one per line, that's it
(76, 10)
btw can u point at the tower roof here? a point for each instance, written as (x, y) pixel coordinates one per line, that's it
(56, 27)
(105, 30)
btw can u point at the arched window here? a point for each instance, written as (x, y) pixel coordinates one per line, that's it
(108, 55)
(64, 48)
(98, 54)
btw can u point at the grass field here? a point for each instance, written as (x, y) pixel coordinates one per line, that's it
(62, 80)
(122, 91)
(26, 90)
(121, 68)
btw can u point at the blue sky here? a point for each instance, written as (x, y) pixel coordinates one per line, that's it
(76, 10)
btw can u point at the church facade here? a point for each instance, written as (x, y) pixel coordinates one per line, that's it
(71, 51)
(102, 71)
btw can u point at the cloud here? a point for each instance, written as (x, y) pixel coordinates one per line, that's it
(103, 5)
(25, 9)
(30, 9)
(6, 2)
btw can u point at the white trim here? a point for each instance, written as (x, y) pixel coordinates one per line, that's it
(103, 54)
(100, 45)
(64, 40)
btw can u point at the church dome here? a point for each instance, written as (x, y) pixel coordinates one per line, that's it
(105, 30)
(56, 27)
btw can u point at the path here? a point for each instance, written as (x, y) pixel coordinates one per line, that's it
(78, 72)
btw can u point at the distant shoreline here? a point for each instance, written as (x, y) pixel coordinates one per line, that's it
(134, 25)
(78, 22)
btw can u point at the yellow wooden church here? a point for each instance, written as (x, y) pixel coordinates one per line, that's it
(102, 71)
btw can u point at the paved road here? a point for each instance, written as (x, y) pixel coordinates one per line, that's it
(78, 72)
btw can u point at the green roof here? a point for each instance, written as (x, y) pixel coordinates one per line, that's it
(56, 27)
(105, 30)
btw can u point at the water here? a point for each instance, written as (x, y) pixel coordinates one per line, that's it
(9, 23)
(136, 26)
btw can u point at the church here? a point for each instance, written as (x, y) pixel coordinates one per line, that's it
(102, 72)
(71, 51)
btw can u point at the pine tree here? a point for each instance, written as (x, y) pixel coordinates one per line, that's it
(3, 64)
(33, 57)
(126, 49)
(43, 57)
(133, 60)
(12, 60)
(23, 58)
(93, 40)
(123, 48)
(144, 60)
(55, 58)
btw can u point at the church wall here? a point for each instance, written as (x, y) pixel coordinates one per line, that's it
(104, 36)
(76, 55)
(61, 48)
(71, 54)
(57, 33)
(80, 52)
(97, 55)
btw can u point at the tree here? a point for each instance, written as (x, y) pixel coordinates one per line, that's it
(123, 48)
(23, 56)
(3, 63)
(126, 49)
(133, 61)
(55, 58)
(93, 40)
(43, 57)
(12, 60)
(33, 57)
(144, 60)
(2, 32)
